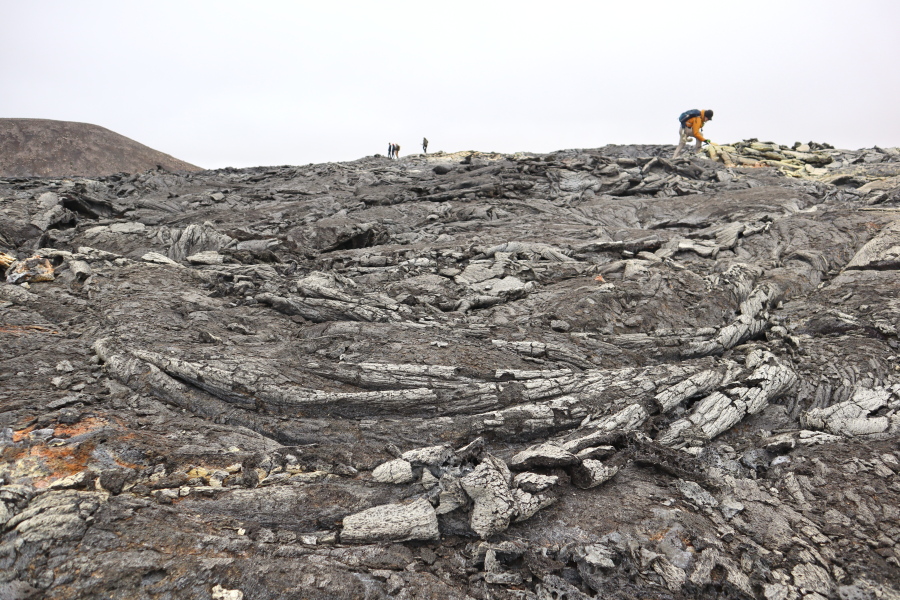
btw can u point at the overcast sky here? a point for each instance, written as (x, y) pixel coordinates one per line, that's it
(222, 83)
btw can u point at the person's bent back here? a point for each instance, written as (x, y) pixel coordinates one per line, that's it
(692, 122)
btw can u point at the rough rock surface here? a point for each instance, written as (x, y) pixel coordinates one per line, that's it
(593, 373)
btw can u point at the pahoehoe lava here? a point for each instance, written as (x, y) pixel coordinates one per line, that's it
(593, 373)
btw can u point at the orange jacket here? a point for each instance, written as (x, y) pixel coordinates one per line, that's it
(696, 124)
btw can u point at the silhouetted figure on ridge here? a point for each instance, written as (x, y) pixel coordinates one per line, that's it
(425, 145)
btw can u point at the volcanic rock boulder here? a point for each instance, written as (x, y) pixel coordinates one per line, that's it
(392, 523)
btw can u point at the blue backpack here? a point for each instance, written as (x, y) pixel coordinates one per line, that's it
(687, 115)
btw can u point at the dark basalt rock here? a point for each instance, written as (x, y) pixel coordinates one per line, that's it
(690, 367)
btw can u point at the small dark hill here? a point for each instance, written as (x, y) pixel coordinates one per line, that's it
(46, 148)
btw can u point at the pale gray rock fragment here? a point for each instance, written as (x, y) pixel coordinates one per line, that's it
(527, 505)
(812, 438)
(430, 456)
(428, 480)
(673, 576)
(596, 556)
(51, 212)
(392, 523)
(780, 591)
(531, 249)
(560, 325)
(708, 560)
(208, 257)
(596, 452)
(591, 473)
(628, 419)
(130, 227)
(258, 245)
(94, 254)
(635, 268)
(721, 411)
(488, 486)
(6, 513)
(451, 496)
(696, 494)
(78, 480)
(54, 216)
(573, 181)
(851, 417)
(707, 249)
(56, 516)
(699, 383)
(727, 236)
(507, 286)
(534, 483)
(81, 270)
(48, 200)
(542, 455)
(730, 507)
(703, 566)
(812, 578)
(93, 232)
(156, 257)
(863, 589)
(12, 497)
(394, 471)
(750, 322)
(470, 451)
(505, 578)
(881, 252)
(320, 310)
(331, 286)
(198, 238)
(477, 272)
(220, 593)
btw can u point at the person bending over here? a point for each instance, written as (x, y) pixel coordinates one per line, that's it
(692, 122)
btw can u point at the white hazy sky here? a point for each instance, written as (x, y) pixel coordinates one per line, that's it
(225, 83)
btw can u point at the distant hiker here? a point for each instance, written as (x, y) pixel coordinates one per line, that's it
(692, 122)
(391, 150)
(425, 145)
(396, 150)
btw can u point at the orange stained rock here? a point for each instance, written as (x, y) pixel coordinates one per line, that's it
(53, 463)
(45, 464)
(872, 226)
(659, 535)
(600, 279)
(82, 426)
(18, 436)
(36, 268)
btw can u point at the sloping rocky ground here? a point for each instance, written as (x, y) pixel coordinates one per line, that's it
(587, 374)
(48, 148)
